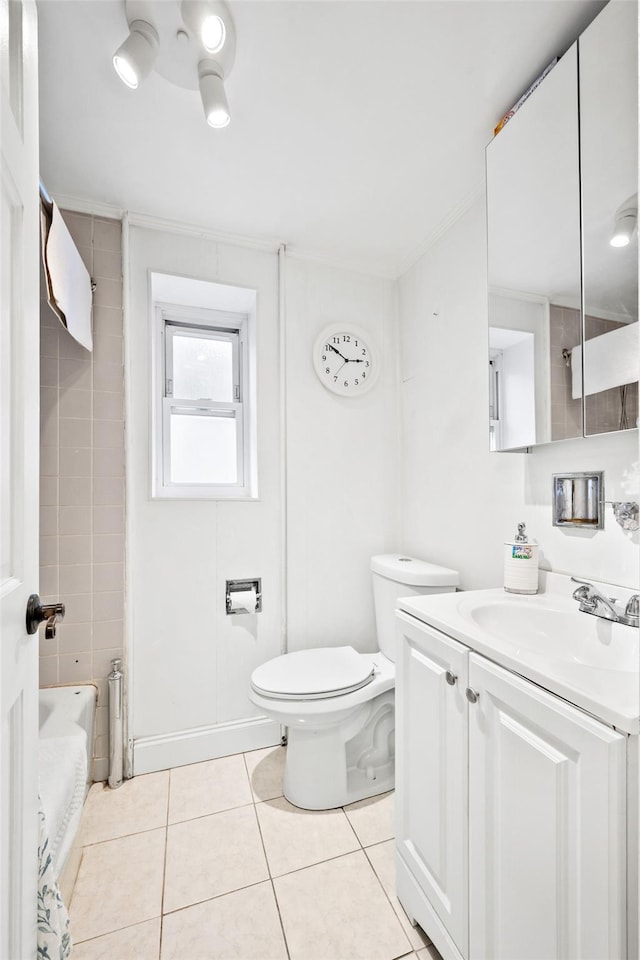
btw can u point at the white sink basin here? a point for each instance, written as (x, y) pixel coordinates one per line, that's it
(592, 662)
(557, 634)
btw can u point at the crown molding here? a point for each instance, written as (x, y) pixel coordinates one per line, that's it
(94, 208)
(369, 268)
(366, 267)
(456, 213)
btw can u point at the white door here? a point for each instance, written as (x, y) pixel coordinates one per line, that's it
(431, 773)
(546, 825)
(19, 432)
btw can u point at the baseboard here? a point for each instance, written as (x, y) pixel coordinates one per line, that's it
(203, 743)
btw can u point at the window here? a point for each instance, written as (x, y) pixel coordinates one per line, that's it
(202, 403)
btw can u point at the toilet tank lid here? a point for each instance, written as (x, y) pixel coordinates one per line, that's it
(414, 573)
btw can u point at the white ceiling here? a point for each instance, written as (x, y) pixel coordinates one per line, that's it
(358, 129)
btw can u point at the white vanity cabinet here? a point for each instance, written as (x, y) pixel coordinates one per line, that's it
(510, 810)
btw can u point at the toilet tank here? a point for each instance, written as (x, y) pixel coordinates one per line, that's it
(397, 575)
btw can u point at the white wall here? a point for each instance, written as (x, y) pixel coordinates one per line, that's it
(519, 394)
(189, 661)
(343, 460)
(461, 502)
(458, 499)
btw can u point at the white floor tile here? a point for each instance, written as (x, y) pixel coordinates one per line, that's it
(140, 942)
(372, 819)
(382, 857)
(139, 804)
(204, 788)
(338, 910)
(119, 884)
(295, 838)
(428, 953)
(211, 856)
(239, 926)
(266, 772)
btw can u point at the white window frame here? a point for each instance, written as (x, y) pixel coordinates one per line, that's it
(169, 320)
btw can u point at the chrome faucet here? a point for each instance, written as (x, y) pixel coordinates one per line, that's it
(594, 602)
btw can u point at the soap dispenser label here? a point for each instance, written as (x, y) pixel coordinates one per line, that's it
(522, 551)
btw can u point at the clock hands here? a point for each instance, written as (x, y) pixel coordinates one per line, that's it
(346, 359)
(338, 352)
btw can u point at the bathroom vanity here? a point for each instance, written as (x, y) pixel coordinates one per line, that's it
(517, 751)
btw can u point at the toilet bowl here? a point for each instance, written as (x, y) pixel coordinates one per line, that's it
(338, 704)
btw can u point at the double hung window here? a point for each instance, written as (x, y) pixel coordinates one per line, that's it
(204, 421)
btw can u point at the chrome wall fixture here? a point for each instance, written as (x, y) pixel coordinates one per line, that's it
(577, 500)
(191, 43)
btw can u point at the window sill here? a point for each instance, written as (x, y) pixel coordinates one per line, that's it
(189, 493)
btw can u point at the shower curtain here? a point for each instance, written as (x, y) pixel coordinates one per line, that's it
(54, 939)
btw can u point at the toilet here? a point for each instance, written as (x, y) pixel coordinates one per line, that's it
(338, 704)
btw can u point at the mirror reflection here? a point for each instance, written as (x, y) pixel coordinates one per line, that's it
(533, 210)
(609, 149)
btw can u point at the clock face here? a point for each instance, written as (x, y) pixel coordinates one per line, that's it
(344, 362)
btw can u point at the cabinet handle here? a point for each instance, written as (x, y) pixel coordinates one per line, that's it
(451, 678)
(472, 695)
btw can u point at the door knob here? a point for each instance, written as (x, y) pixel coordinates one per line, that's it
(450, 678)
(472, 695)
(37, 612)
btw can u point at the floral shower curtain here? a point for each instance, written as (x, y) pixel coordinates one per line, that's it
(54, 939)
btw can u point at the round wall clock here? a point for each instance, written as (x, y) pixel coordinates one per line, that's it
(344, 360)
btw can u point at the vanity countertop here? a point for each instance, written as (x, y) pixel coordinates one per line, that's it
(588, 661)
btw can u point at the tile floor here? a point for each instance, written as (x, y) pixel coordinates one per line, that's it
(210, 862)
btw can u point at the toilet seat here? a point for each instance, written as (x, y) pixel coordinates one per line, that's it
(313, 674)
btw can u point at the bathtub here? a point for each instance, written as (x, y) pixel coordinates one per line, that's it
(64, 762)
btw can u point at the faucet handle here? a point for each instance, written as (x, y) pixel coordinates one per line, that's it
(632, 608)
(583, 592)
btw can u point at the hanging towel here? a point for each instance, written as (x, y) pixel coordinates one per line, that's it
(54, 939)
(68, 282)
(610, 360)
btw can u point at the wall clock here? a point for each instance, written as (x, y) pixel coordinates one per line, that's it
(344, 360)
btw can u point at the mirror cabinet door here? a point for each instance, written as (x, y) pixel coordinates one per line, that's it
(533, 212)
(608, 80)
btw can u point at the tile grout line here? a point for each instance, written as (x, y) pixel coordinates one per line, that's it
(266, 858)
(413, 949)
(353, 829)
(164, 866)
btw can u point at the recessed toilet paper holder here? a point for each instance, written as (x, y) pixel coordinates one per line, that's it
(243, 586)
(578, 500)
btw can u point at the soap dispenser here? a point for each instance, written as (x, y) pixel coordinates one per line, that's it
(520, 564)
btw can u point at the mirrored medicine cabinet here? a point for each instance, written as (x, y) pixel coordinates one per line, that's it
(563, 299)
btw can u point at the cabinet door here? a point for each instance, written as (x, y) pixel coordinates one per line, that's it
(546, 825)
(431, 770)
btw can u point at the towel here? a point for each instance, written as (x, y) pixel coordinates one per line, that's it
(610, 360)
(68, 282)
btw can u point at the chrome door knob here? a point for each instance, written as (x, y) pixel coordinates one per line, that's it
(472, 695)
(451, 678)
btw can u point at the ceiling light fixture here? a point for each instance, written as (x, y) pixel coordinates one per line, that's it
(179, 38)
(134, 59)
(213, 33)
(625, 223)
(214, 97)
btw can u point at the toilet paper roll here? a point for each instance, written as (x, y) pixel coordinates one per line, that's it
(242, 601)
